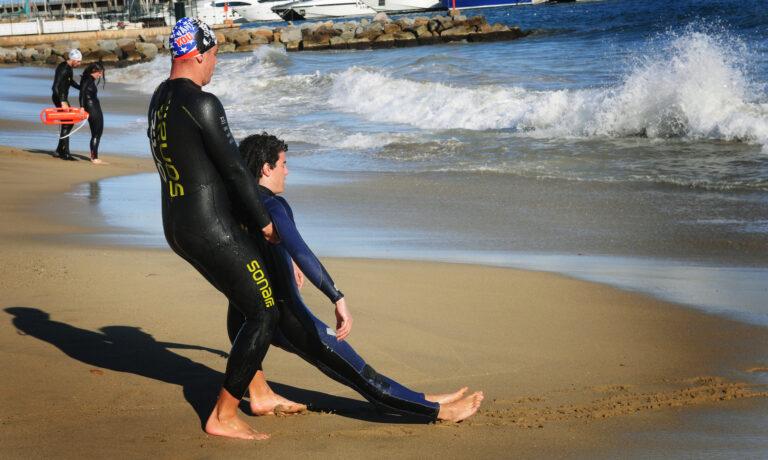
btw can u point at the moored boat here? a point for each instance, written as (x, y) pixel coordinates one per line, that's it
(321, 9)
(466, 4)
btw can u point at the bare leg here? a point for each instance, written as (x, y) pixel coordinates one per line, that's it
(225, 422)
(459, 410)
(264, 401)
(447, 397)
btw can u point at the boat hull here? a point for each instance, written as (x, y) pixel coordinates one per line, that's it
(465, 4)
(321, 9)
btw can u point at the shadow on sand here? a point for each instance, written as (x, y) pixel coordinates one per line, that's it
(129, 349)
(52, 153)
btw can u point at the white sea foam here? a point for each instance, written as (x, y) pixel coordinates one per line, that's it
(143, 77)
(688, 86)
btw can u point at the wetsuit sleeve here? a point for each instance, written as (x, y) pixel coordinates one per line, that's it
(223, 152)
(73, 83)
(60, 83)
(291, 240)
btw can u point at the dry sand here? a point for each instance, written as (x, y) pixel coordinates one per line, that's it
(112, 352)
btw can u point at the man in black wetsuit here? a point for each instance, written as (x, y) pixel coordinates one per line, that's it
(61, 83)
(300, 332)
(203, 180)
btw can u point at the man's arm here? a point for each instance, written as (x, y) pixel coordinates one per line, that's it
(73, 83)
(59, 82)
(222, 149)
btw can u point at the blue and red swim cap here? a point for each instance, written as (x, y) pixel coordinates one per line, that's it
(191, 37)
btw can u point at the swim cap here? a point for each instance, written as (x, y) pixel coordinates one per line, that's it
(191, 37)
(76, 55)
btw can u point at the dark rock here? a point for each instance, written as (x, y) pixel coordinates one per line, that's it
(247, 48)
(291, 34)
(391, 28)
(431, 39)
(370, 33)
(226, 47)
(325, 32)
(384, 41)
(358, 43)
(454, 34)
(315, 44)
(239, 37)
(293, 45)
(338, 43)
(147, 50)
(259, 40)
(405, 39)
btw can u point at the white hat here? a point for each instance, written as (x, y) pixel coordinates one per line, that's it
(76, 55)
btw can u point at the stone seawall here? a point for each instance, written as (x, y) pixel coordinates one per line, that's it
(124, 47)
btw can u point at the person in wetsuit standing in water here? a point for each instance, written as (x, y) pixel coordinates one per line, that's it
(90, 102)
(300, 332)
(203, 179)
(62, 80)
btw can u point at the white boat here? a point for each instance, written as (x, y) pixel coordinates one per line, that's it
(319, 9)
(404, 6)
(214, 12)
(257, 10)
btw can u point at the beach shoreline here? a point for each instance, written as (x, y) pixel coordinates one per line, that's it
(569, 368)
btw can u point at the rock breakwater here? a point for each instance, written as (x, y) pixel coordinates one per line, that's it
(381, 32)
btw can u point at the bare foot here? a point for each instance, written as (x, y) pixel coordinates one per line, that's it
(459, 410)
(275, 404)
(232, 427)
(99, 162)
(447, 397)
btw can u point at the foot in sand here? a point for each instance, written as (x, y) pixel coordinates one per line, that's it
(447, 397)
(232, 427)
(99, 162)
(275, 404)
(459, 410)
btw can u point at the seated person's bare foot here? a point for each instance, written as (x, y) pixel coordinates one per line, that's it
(232, 427)
(273, 404)
(459, 410)
(447, 397)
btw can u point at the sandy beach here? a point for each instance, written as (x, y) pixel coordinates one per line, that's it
(118, 352)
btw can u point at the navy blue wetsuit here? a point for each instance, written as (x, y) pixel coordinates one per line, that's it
(62, 80)
(300, 332)
(203, 179)
(90, 102)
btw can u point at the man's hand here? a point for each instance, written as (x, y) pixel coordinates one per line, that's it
(65, 104)
(298, 274)
(270, 234)
(343, 320)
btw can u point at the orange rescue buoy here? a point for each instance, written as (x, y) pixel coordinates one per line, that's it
(63, 115)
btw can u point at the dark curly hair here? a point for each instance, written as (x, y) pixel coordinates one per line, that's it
(260, 149)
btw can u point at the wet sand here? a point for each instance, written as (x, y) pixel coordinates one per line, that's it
(115, 351)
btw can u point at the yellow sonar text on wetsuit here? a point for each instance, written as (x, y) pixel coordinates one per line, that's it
(168, 172)
(258, 276)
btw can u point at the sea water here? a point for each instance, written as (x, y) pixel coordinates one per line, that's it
(618, 134)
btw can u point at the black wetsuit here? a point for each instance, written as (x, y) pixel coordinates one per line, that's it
(90, 102)
(61, 83)
(300, 332)
(202, 175)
